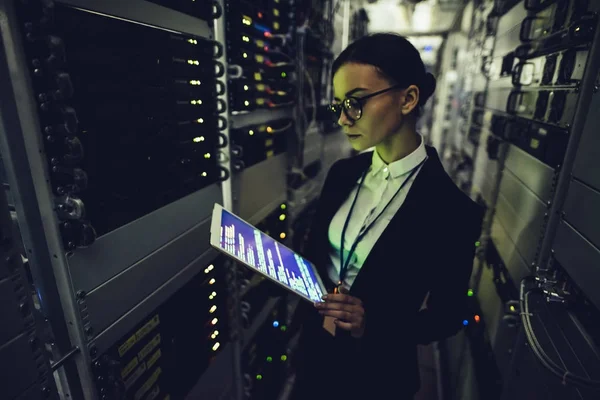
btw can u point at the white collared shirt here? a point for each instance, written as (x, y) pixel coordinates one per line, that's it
(381, 183)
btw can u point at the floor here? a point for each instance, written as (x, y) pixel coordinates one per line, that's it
(428, 377)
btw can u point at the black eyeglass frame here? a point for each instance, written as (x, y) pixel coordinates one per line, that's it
(335, 107)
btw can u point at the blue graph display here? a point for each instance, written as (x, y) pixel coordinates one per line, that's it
(266, 255)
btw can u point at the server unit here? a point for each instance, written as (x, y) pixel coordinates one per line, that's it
(166, 352)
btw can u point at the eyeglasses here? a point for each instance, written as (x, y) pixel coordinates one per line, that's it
(353, 106)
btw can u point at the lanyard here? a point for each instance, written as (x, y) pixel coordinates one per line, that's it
(344, 264)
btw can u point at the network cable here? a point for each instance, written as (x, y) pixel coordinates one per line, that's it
(564, 374)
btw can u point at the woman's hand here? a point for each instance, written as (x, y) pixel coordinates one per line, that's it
(348, 312)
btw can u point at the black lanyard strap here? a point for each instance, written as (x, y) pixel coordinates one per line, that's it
(344, 264)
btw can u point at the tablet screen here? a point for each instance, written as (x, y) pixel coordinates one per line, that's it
(248, 244)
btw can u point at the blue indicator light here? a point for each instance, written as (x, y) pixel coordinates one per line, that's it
(261, 28)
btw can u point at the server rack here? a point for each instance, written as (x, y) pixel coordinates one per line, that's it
(259, 37)
(537, 111)
(122, 125)
(474, 159)
(317, 143)
(492, 333)
(496, 290)
(569, 246)
(97, 275)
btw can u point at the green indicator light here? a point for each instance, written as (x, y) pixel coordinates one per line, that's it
(283, 206)
(283, 74)
(283, 328)
(269, 359)
(258, 377)
(477, 244)
(470, 292)
(283, 357)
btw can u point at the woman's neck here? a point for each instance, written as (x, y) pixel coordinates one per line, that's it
(398, 146)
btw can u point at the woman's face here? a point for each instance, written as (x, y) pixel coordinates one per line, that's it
(382, 115)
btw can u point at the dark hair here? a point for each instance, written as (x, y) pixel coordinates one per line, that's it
(395, 58)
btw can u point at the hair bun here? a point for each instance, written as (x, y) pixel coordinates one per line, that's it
(429, 84)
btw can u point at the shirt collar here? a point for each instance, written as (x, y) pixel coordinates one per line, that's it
(402, 166)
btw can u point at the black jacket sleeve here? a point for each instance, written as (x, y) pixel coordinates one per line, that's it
(447, 303)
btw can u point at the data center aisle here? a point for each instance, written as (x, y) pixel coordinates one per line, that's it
(429, 386)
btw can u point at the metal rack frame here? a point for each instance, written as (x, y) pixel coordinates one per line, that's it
(585, 107)
(28, 178)
(20, 323)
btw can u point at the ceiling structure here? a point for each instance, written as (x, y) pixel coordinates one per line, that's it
(423, 22)
(410, 19)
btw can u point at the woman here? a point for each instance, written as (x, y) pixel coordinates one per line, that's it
(408, 235)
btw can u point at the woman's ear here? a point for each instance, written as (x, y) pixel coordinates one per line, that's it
(411, 99)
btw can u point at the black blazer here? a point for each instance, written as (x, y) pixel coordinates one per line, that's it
(428, 246)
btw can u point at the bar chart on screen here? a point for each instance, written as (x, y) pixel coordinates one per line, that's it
(267, 256)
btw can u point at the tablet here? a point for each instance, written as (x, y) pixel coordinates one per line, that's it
(264, 255)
